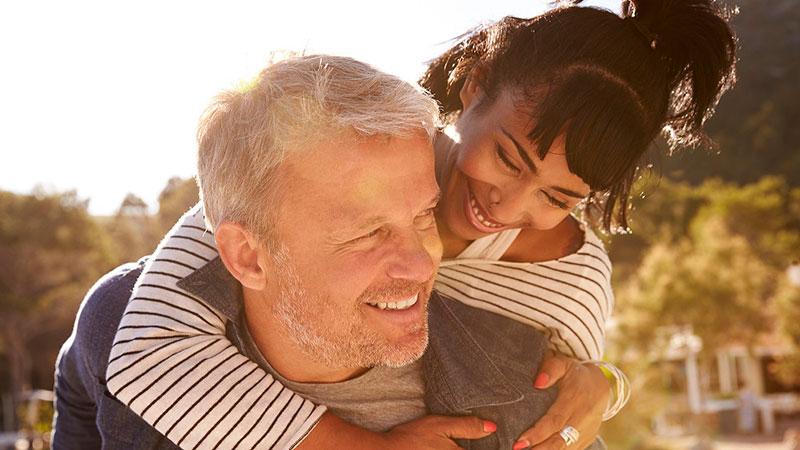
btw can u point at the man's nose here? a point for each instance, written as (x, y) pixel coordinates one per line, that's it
(415, 257)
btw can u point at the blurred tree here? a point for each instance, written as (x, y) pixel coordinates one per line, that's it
(690, 284)
(710, 257)
(51, 251)
(788, 309)
(175, 199)
(716, 247)
(132, 230)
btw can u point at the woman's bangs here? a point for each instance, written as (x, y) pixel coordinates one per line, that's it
(605, 130)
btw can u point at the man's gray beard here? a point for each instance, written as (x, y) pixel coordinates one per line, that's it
(338, 343)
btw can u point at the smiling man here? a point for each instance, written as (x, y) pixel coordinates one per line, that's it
(318, 188)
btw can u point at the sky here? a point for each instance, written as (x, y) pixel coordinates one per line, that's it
(104, 97)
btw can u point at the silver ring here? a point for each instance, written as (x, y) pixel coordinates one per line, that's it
(570, 435)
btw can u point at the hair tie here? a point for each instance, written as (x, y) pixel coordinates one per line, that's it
(629, 14)
(650, 37)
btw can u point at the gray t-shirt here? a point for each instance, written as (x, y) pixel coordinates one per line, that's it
(377, 400)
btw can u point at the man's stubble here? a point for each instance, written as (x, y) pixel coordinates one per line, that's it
(341, 338)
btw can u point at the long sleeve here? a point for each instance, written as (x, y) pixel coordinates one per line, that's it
(174, 366)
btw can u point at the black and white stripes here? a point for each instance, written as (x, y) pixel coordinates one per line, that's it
(173, 365)
(569, 299)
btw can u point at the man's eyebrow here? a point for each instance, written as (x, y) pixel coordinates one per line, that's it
(522, 153)
(371, 221)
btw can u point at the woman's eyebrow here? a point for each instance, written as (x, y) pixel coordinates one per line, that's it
(569, 192)
(522, 153)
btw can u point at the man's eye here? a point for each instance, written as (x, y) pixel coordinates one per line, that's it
(427, 218)
(501, 154)
(369, 235)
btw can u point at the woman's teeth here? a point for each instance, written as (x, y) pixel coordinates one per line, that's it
(484, 221)
(404, 304)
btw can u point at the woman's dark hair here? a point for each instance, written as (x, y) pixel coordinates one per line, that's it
(611, 83)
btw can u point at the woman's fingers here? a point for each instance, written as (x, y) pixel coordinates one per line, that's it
(552, 369)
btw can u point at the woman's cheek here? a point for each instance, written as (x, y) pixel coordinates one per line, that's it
(546, 220)
(477, 165)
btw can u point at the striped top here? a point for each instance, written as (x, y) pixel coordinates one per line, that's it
(173, 365)
(569, 299)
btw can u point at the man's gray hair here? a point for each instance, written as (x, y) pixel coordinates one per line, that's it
(247, 133)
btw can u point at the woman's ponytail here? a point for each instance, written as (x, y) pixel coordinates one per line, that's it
(697, 54)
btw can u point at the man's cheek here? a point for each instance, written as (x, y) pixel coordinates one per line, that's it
(433, 245)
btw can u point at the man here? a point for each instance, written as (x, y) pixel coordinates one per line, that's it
(318, 183)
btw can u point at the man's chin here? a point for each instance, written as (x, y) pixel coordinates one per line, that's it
(406, 352)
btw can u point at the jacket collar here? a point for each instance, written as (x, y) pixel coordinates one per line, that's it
(458, 368)
(214, 285)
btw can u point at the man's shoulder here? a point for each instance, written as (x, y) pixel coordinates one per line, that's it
(102, 309)
(481, 363)
(517, 343)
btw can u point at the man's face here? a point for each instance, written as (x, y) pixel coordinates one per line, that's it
(358, 250)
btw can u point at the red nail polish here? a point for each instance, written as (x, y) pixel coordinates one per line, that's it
(541, 381)
(520, 444)
(489, 427)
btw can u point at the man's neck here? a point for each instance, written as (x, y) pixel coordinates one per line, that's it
(282, 352)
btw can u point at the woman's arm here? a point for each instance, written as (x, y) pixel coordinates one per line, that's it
(173, 365)
(570, 300)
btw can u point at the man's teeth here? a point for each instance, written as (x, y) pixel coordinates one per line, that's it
(404, 304)
(484, 221)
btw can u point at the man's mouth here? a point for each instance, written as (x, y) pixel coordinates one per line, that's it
(480, 217)
(397, 305)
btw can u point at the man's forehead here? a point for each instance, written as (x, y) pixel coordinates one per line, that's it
(352, 180)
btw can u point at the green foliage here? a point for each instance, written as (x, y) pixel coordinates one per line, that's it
(47, 243)
(134, 232)
(51, 251)
(175, 199)
(711, 258)
(711, 281)
(717, 247)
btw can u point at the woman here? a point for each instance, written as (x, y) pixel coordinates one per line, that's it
(546, 116)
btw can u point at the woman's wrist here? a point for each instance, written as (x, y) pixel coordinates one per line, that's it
(333, 432)
(619, 386)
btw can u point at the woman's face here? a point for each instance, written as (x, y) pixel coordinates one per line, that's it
(494, 179)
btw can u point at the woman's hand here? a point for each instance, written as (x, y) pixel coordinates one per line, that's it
(583, 393)
(425, 433)
(437, 432)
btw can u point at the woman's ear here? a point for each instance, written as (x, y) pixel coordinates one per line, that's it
(472, 91)
(242, 254)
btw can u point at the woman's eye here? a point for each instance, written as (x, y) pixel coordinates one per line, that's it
(501, 154)
(556, 202)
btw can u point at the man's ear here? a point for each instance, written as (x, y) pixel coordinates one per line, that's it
(242, 254)
(472, 91)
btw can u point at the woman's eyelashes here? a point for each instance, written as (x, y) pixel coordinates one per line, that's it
(512, 167)
(506, 160)
(555, 202)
